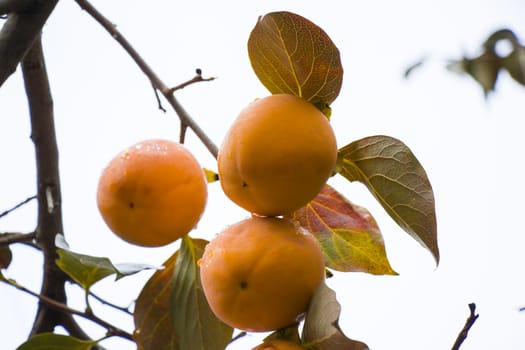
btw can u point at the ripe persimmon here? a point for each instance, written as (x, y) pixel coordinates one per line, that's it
(260, 273)
(152, 193)
(277, 155)
(278, 344)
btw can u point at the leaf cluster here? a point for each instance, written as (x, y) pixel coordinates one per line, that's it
(487, 66)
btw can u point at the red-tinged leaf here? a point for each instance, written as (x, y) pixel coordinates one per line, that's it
(171, 312)
(292, 55)
(5, 256)
(348, 234)
(153, 323)
(52, 341)
(321, 327)
(395, 177)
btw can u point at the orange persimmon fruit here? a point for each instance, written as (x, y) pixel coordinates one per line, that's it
(277, 155)
(152, 193)
(260, 273)
(278, 344)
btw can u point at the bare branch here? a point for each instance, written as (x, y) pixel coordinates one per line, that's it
(107, 303)
(238, 336)
(74, 330)
(25, 201)
(182, 134)
(10, 6)
(196, 79)
(155, 80)
(64, 309)
(19, 33)
(48, 184)
(468, 325)
(158, 99)
(15, 237)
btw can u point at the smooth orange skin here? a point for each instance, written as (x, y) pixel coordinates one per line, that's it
(152, 193)
(259, 274)
(278, 344)
(277, 155)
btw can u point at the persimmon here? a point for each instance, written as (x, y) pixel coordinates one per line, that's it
(260, 273)
(278, 344)
(152, 193)
(277, 155)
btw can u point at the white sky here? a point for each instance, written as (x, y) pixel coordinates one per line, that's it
(470, 148)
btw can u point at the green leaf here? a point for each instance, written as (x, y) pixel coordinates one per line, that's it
(154, 328)
(87, 270)
(197, 326)
(514, 63)
(290, 54)
(321, 327)
(290, 333)
(484, 69)
(83, 269)
(348, 234)
(398, 181)
(211, 176)
(52, 341)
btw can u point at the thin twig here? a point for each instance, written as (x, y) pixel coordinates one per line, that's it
(16, 237)
(237, 337)
(74, 330)
(196, 79)
(112, 330)
(107, 303)
(159, 103)
(183, 129)
(25, 201)
(468, 325)
(148, 71)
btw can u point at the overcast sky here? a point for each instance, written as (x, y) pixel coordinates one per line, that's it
(469, 146)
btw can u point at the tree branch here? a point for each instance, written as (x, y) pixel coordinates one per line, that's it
(155, 80)
(10, 6)
(74, 330)
(16, 237)
(468, 325)
(196, 79)
(66, 310)
(110, 304)
(20, 31)
(25, 201)
(48, 184)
